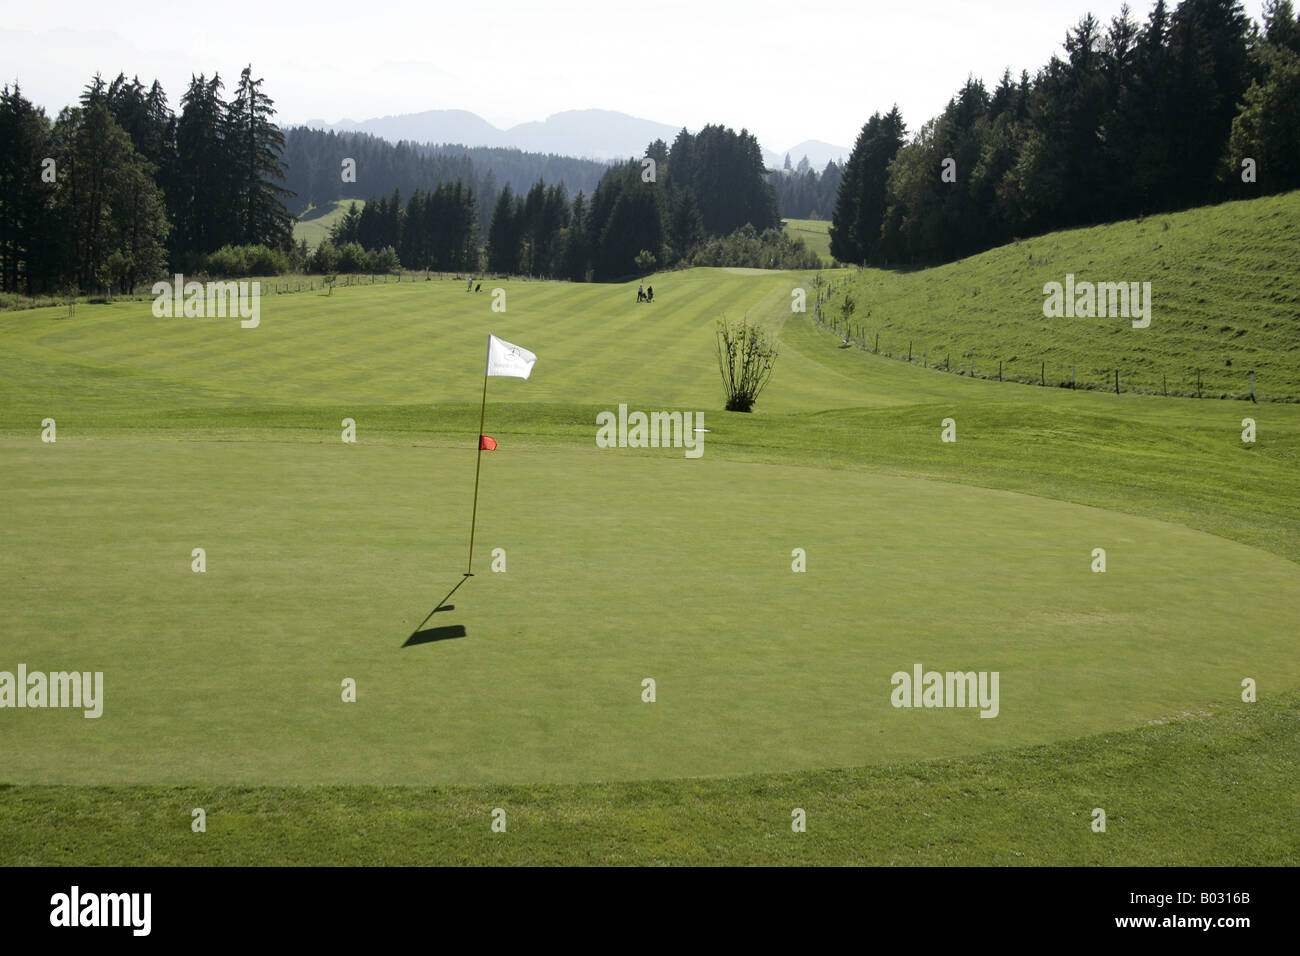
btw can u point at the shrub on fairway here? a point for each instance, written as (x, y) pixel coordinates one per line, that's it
(745, 357)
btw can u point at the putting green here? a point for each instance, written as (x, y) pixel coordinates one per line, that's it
(621, 565)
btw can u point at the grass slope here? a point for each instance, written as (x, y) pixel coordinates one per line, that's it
(814, 234)
(315, 223)
(1224, 301)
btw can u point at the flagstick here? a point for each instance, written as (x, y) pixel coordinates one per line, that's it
(469, 571)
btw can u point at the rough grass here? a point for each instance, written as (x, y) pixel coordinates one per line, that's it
(1224, 301)
(1193, 789)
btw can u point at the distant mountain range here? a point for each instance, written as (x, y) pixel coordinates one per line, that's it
(590, 134)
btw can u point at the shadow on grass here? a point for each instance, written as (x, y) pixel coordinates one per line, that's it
(429, 635)
(316, 212)
(419, 636)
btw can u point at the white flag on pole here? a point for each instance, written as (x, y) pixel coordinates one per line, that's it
(506, 359)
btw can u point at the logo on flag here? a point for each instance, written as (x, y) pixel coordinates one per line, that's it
(507, 359)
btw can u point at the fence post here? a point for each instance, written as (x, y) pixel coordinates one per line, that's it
(1073, 370)
(999, 370)
(972, 366)
(877, 348)
(1116, 381)
(909, 358)
(1198, 383)
(1164, 384)
(926, 358)
(1252, 384)
(1042, 374)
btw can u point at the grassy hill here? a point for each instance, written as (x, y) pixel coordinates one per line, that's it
(1223, 286)
(814, 234)
(1120, 690)
(315, 223)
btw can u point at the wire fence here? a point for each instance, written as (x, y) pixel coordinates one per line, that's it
(1139, 379)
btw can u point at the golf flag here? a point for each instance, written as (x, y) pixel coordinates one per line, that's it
(503, 358)
(506, 359)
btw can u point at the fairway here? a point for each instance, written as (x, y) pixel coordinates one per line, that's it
(620, 564)
(815, 234)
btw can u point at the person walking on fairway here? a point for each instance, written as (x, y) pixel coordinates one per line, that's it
(469, 284)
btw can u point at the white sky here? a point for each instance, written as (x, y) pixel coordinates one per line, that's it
(788, 71)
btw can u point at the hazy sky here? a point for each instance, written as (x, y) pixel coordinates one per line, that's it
(788, 71)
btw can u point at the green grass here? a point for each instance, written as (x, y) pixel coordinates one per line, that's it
(322, 558)
(1185, 790)
(315, 223)
(223, 688)
(814, 234)
(1224, 301)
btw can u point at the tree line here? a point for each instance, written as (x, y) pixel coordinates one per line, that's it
(655, 212)
(436, 230)
(1135, 119)
(116, 190)
(803, 193)
(314, 160)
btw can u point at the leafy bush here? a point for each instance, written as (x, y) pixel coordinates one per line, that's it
(238, 261)
(325, 259)
(383, 260)
(746, 247)
(353, 258)
(746, 356)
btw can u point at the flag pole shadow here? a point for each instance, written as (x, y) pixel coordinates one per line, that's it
(436, 634)
(446, 633)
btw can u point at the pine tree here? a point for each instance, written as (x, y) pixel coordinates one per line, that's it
(107, 204)
(255, 147)
(504, 234)
(577, 247)
(861, 200)
(346, 228)
(685, 228)
(207, 202)
(28, 251)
